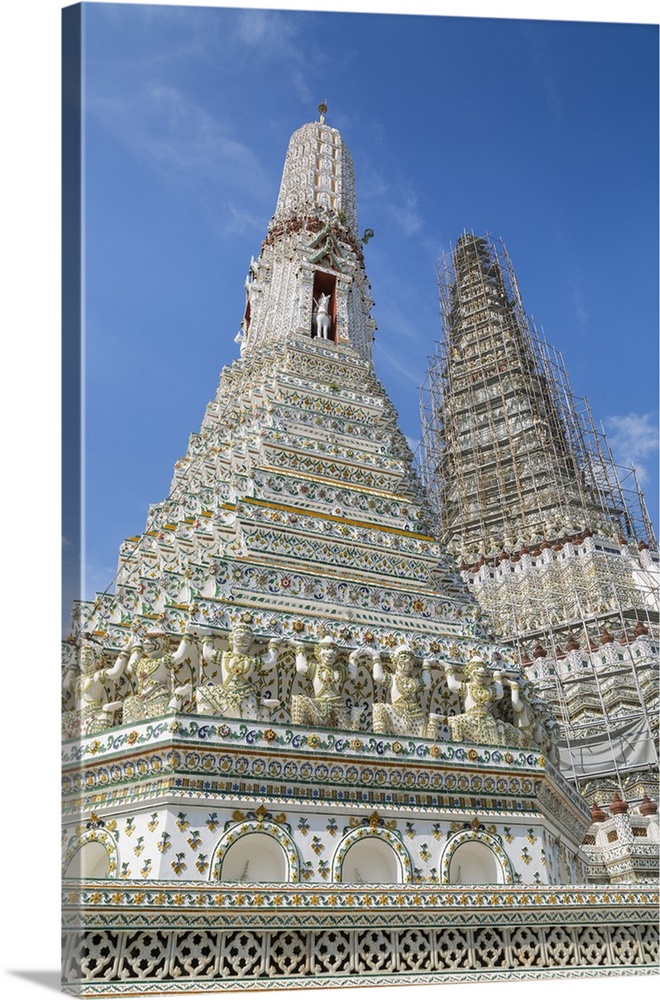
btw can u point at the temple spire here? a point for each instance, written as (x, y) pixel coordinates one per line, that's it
(318, 177)
(309, 280)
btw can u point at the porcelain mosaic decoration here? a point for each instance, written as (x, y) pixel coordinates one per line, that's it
(293, 755)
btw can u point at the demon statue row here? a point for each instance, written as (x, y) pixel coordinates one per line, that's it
(146, 671)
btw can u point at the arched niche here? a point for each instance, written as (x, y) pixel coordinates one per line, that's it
(325, 284)
(475, 859)
(256, 853)
(368, 857)
(90, 860)
(256, 857)
(371, 861)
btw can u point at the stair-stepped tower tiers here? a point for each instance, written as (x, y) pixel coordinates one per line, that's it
(551, 537)
(292, 687)
(298, 499)
(313, 478)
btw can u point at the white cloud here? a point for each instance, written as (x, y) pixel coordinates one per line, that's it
(542, 65)
(400, 322)
(239, 220)
(398, 199)
(185, 144)
(371, 184)
(634, 438)
(301, 87)
(194, 148)
(395, 364)
(405, 210)
(268, 30)
(277, 38)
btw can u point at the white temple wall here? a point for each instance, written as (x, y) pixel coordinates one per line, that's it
(312, 845)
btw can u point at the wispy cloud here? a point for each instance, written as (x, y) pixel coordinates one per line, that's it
(180, 140)
(398, 201)
(405, 209)
(277, 37)
(301, 87)
(634, 438)
(268, 31)
(537, 54)
(372, 186)
(204, 34)
(191, 143)
(400, 322)
(395, 363)
(238, 220)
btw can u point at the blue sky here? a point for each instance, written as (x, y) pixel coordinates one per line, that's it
(542, 133)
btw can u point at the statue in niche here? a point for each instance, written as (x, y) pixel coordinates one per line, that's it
(241, 670)
(322, 320)
(86, 681)
(403, 714)
(150, 665)
(480, 689)
(327, 675)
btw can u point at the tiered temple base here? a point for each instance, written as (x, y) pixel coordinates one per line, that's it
(227, 800)
(219, 852)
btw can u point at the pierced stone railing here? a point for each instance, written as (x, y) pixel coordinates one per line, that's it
(154, 937)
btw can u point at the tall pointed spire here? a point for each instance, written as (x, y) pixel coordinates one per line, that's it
(309, 280)
(512, 462)
(318, 177)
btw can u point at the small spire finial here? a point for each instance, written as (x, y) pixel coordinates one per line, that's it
(323, 107)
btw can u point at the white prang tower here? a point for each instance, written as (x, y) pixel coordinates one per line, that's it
(292, 754)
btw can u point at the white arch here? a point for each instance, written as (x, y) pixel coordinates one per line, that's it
(380, 853)
(93, 854)
(260, 852)
(475, 858)
(256, 857)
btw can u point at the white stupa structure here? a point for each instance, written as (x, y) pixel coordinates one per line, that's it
(292, 754)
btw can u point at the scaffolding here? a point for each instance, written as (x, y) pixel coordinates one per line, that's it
(498, 400)
(552, 537)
